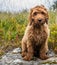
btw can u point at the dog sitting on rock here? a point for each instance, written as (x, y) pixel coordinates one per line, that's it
(35, 39)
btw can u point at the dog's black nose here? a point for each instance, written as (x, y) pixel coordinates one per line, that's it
(39, 20)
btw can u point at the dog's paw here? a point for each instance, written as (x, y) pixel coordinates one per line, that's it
(27, 57)
(44, 57)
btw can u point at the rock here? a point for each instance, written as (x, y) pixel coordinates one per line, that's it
(16, 59)
(17, 50)
(51, 53)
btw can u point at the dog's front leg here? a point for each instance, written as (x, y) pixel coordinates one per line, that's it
(29, 51)
(43, 51)
(24, 48)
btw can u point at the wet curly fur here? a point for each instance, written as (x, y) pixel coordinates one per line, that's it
(35, 39)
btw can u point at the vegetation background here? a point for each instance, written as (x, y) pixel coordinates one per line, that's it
(12, 27)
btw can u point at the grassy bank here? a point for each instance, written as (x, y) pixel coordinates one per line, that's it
(12, 27)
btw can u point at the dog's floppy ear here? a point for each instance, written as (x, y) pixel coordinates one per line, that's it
(46, 21)
(47, 18)
(30, 17)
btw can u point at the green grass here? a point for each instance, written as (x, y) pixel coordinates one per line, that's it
(53, 29)
(12, 27)
(52, 17)
(12, 24)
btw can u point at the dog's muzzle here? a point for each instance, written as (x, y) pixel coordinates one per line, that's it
(39, 20)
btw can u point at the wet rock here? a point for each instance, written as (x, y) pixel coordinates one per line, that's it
(11, 58)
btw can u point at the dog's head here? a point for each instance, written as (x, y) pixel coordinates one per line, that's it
(38, 16)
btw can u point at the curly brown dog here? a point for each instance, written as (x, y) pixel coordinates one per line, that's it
(34, 42)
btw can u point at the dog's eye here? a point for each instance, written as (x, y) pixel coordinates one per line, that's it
(42, 13)
(35, 13)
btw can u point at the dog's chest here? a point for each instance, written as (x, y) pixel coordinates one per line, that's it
(39, 36)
